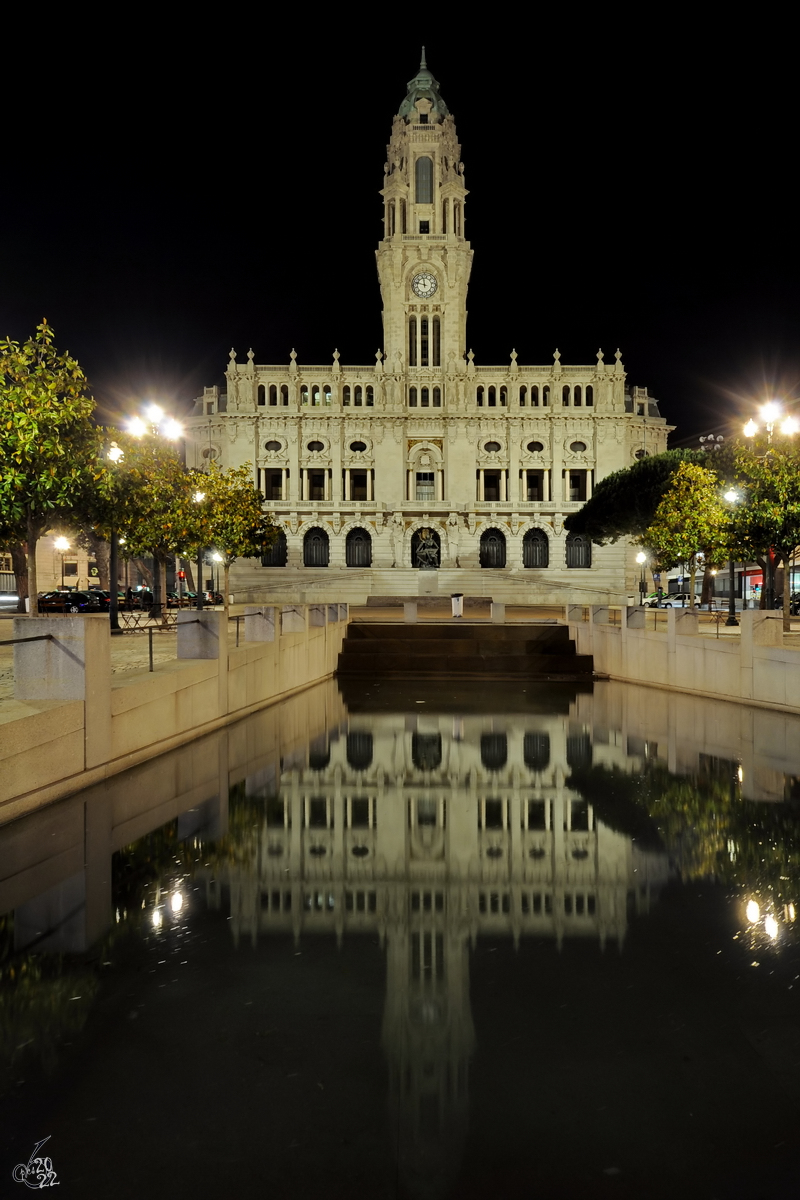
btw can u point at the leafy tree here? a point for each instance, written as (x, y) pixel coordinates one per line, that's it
(690, 519)
(232, 520)
(146, 497)
(624, 504)
(766, 521)
(48, 443)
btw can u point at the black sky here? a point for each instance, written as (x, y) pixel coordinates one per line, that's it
(171, 193)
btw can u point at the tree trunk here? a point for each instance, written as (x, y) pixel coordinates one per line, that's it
(692, 576)
(19, 559)
(33, 584)
(102, 554)
(707, 587)
(189, 575)
(144, 571)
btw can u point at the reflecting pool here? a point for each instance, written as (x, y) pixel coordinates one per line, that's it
(421, 940)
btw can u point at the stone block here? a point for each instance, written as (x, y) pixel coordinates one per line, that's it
(333, 614)
(634, 618)
(293, 618)
(259, 624)
(498, 613)
(410, 612)
(316, 615)
(200, 633)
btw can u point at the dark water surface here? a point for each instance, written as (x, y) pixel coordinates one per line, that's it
(417, 941)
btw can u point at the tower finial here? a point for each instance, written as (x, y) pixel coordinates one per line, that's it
(423, 64)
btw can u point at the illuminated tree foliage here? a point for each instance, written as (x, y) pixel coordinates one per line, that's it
(231, 517)
(691, 519)
(767, 518)
(624, 504)
(48, 442)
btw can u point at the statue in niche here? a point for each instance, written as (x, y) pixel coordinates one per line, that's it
(427, 551)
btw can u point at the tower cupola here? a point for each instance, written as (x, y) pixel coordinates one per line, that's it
(423, 87)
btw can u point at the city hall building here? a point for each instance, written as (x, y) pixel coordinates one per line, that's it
(426, 471)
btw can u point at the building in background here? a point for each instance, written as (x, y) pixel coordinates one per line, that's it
(424, 470)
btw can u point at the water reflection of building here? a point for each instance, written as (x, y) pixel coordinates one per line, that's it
(430, 831)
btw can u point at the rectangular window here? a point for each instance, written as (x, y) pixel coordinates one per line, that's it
(358, 485)
(577, 485)
(316, 485)
(425, 486)
(359, 813)
(534, 485)
(70, 568)
(424, 226)
(275, 486)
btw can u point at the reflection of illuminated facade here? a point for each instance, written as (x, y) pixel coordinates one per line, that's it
(431, 830)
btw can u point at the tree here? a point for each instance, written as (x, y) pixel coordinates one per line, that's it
(48, 443)
(146, 497)
(766, 521)
(690, 519)
(624, 503)
(232, 520)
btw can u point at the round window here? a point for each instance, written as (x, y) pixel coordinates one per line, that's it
(640, 454)
(273, 445)
(535, 447)
(210, 452)
(577, 447)
(491, 447)
(358, 446)
(316, 446)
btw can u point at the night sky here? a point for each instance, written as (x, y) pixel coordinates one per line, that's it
(169, 192)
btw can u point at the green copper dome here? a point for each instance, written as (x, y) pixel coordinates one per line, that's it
(423, 86)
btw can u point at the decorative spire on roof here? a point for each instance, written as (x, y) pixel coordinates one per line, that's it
(424, 86)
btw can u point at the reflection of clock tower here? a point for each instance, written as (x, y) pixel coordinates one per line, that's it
(424, 260)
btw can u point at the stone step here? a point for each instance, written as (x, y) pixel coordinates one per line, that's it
(479, 646)
(467, 665)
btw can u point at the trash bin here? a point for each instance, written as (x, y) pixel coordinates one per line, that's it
(457, 603)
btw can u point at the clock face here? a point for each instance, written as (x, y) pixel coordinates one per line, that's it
(424, 285)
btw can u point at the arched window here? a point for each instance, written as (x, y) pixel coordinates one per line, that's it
(579, 750)
(412, 341)
(316, 548)
(358, 549)
(423, 342)
(424, 398)
(565, 395)
(423, 172)
(326, 393)
(346, 395)
(535, 396)
(523, 396)
(273, 395)
(444, 216)
(545, 395)
(494, 751)
(503, 397)
(359, 751)
(589, 396)
(370, 397)
(358, 395)
(304, 394)
(437, 397)
(390, 222)
(315, 394)
(479, 397)
(492, 397)
(493, 548)
(535, 549)
(536, 751)
(579, 550)
(576, 397)
(262, 394)
(403, 216)
(437, 342)
(412, 397)
(276, 554)
(457, 219)
(285, 393)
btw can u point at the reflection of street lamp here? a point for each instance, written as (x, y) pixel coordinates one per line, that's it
(641, 559)
(62, 544)
(731, 496)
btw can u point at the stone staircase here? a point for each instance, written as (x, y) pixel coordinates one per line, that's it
(462, 651)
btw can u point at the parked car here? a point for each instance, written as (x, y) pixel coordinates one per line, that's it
(676, 600)
(70, 602)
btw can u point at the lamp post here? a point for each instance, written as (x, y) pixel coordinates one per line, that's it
(155, 423)
(731, 496)
(216, 558)
(116, 455)
(641, 559)
(62, 544)
(198, 498)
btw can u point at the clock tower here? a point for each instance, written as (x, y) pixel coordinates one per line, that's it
(424, 260)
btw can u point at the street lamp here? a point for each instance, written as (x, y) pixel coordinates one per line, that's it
(115, 454)
(641, 559)
(156, 423)
(216, 557)
(62, 544)
(198, 498)
(731, 496)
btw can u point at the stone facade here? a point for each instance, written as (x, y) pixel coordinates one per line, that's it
(478, 465)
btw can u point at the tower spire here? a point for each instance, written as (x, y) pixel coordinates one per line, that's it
(423, 65)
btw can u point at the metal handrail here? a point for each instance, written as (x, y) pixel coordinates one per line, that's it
(39, 637)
